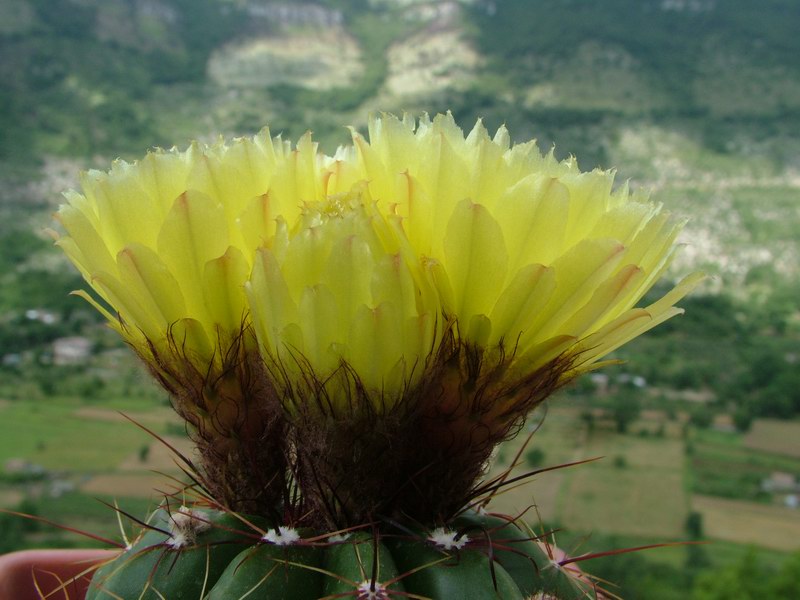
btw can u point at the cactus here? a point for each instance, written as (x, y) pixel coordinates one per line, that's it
(203, 553)
(348, 338)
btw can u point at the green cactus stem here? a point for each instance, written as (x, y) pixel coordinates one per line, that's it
(198, 553)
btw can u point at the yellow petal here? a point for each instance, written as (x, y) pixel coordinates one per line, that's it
(305, 258)
(578, 274)
(190, 236)
(112, 319)
(438, 275)
(223, 283)
(85, 244)
(322, 329)
(164, 175)
(475, 258)
(542, 353)
(308, 182)
(391, 281)
(127, 212)
(191, 342)
(637, 321)
(519, 304)
(134, 313)
(589, 199)
(375, 345)
(676, 294)
(269, 300)
(605, 300)
(479, 330)
(348, 275)
(256, 223)
(147, 278)
(533, 216)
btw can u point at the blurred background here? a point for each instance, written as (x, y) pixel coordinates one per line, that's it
(696, 100)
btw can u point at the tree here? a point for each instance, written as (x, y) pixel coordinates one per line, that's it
(624, 409)
(750, 579)
(744, 580)
(694, 525)
(702, 417)
(534, 457)
(786, 584)
(743, 418)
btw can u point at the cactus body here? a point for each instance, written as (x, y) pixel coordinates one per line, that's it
(211, 555)
(157, 561)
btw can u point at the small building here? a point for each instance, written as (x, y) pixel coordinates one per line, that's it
(47, 317)
(636, 381)
(71, 350)
(23, 469)
(780, 482)
(600, 382)
(13, 359)
(59, 487)
(784, 487)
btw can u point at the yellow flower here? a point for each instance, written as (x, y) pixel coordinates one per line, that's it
(527, 252)
(422, 285)
(538, 269)
(168, 243)
(343, 287)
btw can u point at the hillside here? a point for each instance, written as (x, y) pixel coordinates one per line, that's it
(81, 77)
(696, 100)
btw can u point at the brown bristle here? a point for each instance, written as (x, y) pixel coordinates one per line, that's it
(354, 454)
(361, 456)
(235, 418)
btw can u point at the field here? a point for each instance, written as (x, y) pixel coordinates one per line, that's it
(58, 437)
(643, 487)
(645, 495)
(68, 459)
(558, 441)
(774, 527)
(636, 489)
(778, 437)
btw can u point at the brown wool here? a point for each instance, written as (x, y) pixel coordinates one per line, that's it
(236, 420)
(354, 459)
(419, 457)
